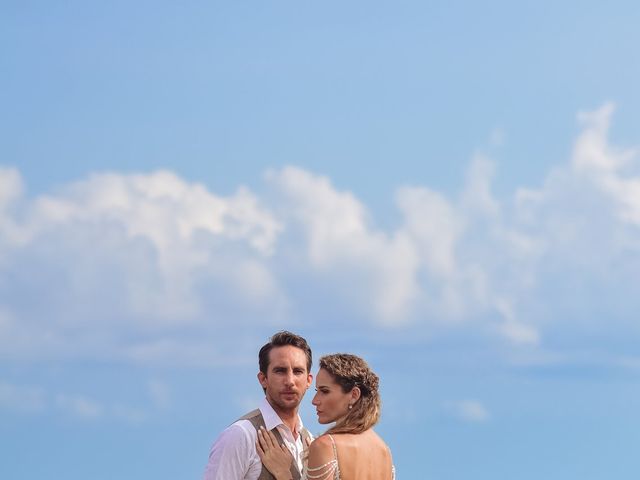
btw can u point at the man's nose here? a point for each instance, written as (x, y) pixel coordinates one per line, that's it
(290, 378)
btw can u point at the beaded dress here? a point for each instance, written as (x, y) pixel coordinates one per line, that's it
(331, 469)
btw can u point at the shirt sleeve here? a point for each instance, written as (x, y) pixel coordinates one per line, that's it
(232, 454)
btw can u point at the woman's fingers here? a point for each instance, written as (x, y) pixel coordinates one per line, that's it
(268, 438)
(272, 439)
(267, 442)
(262, 443)
(259, 450)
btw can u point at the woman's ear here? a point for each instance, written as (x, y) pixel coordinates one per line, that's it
(355, 394)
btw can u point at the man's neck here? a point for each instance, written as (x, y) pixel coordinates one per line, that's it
(289, 418)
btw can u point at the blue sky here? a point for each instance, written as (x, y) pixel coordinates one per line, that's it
(451, 190)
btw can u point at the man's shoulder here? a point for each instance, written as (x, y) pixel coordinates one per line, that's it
(235, 441)
(242, 425)
(253, 414)
(240, 431)
(233, 453)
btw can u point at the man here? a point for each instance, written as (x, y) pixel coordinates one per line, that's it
(285, 376)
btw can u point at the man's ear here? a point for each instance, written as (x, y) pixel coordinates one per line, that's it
(309, 380)
(262, 378)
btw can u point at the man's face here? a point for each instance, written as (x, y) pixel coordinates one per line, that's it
(287, 378)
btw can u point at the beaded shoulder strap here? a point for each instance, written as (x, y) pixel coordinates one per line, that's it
(324, 471)
(333, 444)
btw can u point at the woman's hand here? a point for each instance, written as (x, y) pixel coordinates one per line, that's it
(276, 458)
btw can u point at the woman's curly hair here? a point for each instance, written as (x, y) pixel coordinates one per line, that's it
(351, 371)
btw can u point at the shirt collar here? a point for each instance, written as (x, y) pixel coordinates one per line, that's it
(271, 418)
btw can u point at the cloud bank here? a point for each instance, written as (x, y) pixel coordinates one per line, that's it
(150, 266)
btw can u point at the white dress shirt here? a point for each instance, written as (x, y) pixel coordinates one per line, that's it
(233, 455)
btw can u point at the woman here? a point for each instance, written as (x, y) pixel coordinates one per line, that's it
(347, 394)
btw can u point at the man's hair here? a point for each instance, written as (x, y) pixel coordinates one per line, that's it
(282, 339)
(350, 371)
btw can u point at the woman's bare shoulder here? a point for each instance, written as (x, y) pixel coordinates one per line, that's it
(321, 452)
(373, 443)
(321, 446)
(322, 441)
(375, 438)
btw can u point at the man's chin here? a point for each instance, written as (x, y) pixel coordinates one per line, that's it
(289, 403)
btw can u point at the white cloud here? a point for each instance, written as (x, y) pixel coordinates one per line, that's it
(116, 256)
(477, 198)
(11, 186)
(515, 331)
(36, 400)
(434, 226)
(592, 151)
(150, 268)
(469, 410)
(160, 394)
(519, 333)
(160, 207)
(173, 227)
(376, 270)
(605, 165)
(129, 414)
(79, 406)
(26, 399)
(497, 137)
(11, 190)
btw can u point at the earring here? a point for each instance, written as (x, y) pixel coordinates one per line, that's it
(350, 406)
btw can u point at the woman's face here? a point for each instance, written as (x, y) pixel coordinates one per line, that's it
(330, 401)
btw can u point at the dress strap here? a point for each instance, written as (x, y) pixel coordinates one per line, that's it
(327, 470)
(333, 443)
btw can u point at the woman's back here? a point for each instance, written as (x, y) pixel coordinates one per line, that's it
(362, 456)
